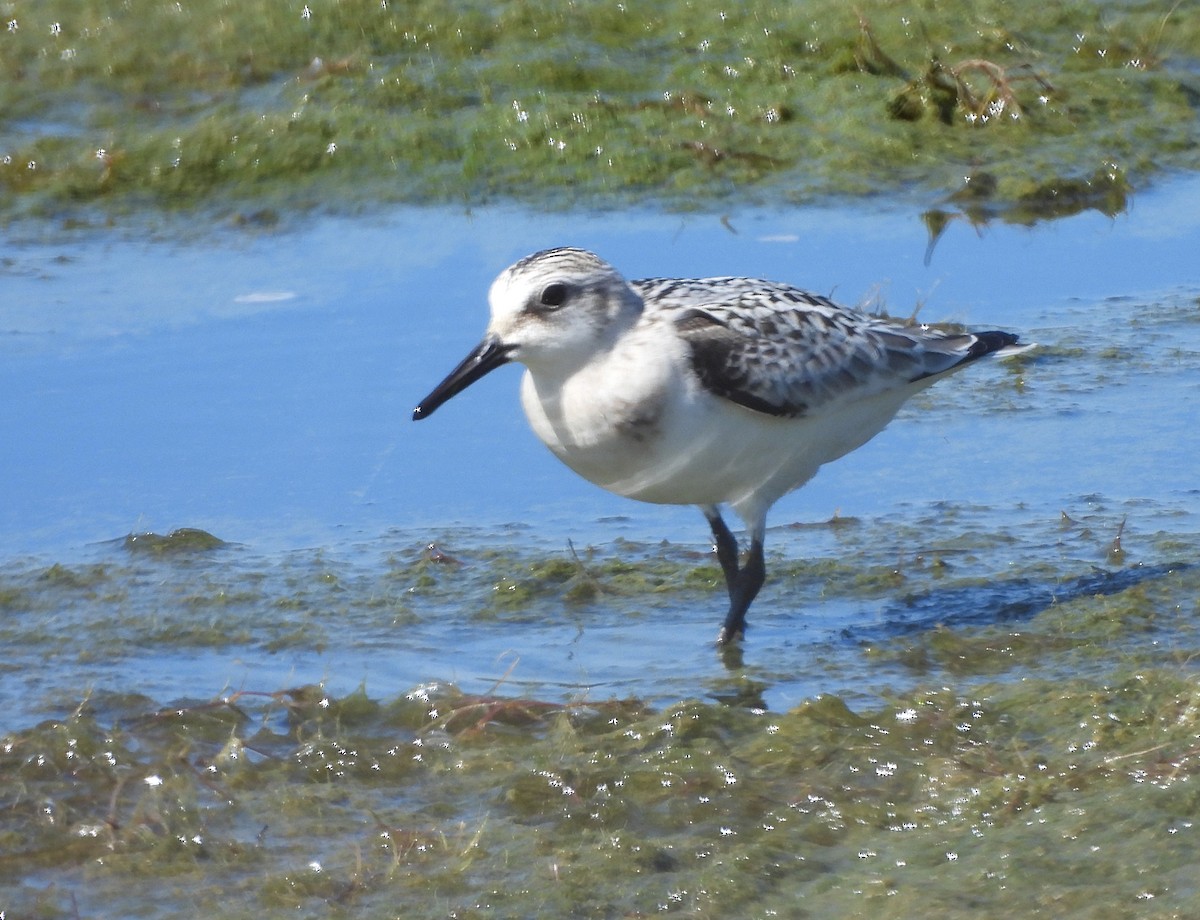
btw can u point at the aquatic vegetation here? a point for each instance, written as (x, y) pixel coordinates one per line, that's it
(182, 540)
(1039, 748)
(1031, 111)
(438, 803)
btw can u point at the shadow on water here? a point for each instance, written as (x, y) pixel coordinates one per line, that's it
(999, 603)
(1023, 627)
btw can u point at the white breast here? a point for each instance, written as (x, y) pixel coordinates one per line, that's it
(640, 425)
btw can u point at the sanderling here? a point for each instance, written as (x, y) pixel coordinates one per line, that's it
(703, 392)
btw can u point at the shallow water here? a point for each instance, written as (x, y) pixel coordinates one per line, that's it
(259, 386)
(974, 649)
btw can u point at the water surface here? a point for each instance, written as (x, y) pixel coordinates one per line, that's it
(258, 385)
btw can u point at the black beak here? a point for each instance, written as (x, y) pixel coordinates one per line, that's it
(487, 356)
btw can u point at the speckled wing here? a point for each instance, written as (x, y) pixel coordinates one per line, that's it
(784, 352)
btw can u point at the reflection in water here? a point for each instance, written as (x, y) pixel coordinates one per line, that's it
(1107, 191)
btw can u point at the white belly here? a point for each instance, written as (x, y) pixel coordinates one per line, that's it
(669, 441)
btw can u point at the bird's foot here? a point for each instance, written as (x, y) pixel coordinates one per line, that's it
(727, 637)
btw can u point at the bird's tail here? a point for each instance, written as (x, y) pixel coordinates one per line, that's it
(949, 353)
(1000, 344)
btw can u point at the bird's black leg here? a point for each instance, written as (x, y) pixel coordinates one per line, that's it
(727, 548)
(749, 581)
(743, 581)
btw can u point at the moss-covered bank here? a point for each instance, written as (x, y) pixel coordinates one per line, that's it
(1026, 110)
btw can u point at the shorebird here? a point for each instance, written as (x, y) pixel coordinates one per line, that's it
(708, 392)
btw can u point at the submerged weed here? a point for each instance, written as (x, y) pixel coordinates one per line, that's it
(293, 798)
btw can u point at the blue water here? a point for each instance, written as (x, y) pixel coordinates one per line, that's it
(259, 385)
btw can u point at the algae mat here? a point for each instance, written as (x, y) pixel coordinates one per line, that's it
(1023, 110)
(1043, 761)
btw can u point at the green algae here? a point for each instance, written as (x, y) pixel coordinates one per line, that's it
(1026, 111)
(1043, 762)
(971, 800)
(181, 540)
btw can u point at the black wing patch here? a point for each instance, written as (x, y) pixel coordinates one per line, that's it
(718, 358)
(787, 359)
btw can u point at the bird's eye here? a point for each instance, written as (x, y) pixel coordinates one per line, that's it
(553, 295)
